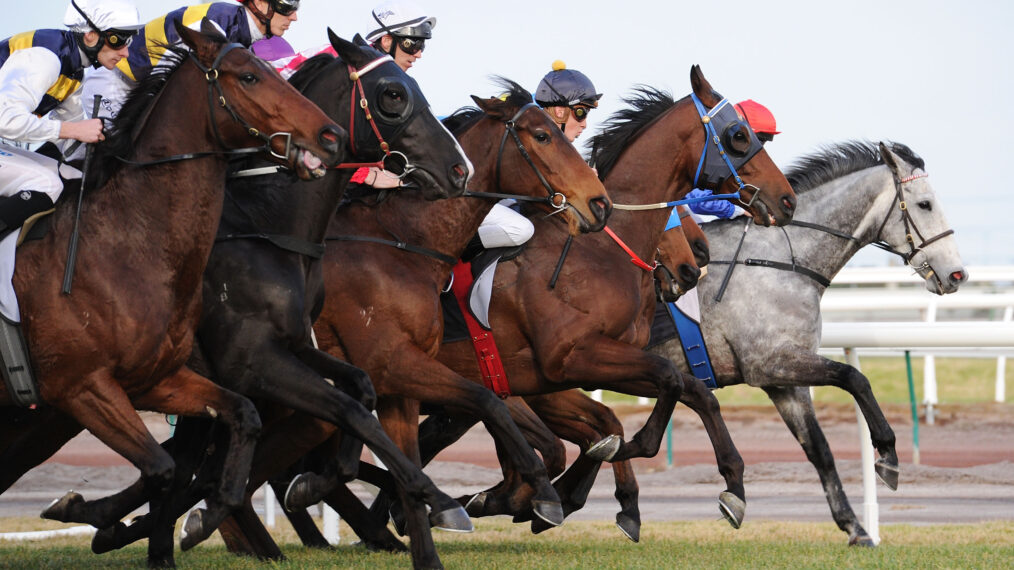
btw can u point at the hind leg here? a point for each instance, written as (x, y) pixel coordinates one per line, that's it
(796, 408)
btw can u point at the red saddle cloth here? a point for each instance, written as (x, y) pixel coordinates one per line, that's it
(493, 374)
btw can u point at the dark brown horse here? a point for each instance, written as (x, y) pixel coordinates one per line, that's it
(121, 339)
(395, 298)
(601, 307)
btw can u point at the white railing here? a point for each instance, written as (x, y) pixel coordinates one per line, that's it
(888, 275)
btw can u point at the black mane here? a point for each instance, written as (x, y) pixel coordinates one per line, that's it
(645, 106)
(464, 118)
(132, 115)
(309, 69)
(841, 159)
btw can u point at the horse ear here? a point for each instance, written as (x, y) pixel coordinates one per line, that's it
(890, 159)
(349, 52)
(493, 107)
(702, 88)
(201, 44)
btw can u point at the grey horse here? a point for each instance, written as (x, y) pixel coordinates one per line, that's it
(850, 195)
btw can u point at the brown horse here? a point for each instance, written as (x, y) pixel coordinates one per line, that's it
(601, 308)
(120, 341)
(386, 318)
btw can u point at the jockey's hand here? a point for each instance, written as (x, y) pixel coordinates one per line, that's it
(88, 131)
(379, 178)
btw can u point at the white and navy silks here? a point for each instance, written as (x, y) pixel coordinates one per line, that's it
(235, 22)
(40, 79)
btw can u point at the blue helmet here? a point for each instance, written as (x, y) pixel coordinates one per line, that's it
(566, 87)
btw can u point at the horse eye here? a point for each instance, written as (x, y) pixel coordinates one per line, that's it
(541, 137)
(925, 205)
(740, 136)
(248, 78)
(393, 95)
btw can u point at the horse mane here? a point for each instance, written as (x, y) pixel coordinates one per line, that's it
(834, 161)
(309, 69)
(120, 137)
(464, 118)
(645, 106)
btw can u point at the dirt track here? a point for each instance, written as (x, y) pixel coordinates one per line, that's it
(966, 472)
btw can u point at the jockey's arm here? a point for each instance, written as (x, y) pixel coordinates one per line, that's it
(25, 78)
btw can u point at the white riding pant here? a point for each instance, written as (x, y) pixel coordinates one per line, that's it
(503, 227)
(23, 170)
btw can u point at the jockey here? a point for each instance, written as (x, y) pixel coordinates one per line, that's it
(242, 21)
(567, 95)
(41, 72)
(762, 121)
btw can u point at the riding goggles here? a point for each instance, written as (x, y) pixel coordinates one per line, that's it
(118, 39)
(285, 7)
(411, 46)
(580, 112)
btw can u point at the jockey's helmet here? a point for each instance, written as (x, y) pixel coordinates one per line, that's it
(564, 87)
(761, 120)
(401, 18)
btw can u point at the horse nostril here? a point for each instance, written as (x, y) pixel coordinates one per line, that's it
(689, 274)
(701, 253)
(330, 138)
(459, 175)
(788, 204)
(602, 207)
(958, 277)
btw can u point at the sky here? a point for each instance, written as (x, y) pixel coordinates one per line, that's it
(936, 75)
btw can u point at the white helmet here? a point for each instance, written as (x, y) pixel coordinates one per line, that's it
(101, 15)
(401, 18)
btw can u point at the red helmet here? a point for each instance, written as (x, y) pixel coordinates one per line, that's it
(760, 118)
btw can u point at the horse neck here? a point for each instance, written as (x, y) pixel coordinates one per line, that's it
(855, 204)
(655, 167)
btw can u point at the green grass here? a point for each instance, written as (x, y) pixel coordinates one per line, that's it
(959, 381)
(498, 544)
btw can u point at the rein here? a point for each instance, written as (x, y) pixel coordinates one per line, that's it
(906, 217)
(211, 74)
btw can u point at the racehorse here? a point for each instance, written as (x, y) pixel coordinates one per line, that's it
(263, 286)
(121, 338)
(851, 195)
(601, 308)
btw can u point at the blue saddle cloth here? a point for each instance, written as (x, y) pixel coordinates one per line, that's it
(669, 323)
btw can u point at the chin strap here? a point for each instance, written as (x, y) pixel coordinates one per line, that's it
(91, 52)
(262, 17)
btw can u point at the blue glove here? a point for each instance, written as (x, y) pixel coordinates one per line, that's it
(719, 207)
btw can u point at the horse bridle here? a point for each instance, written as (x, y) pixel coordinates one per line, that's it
(555, 200)
(356, 76)
(724, 114)
(906, 217)
(211, 74)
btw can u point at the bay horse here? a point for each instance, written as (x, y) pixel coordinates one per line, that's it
(851, 195)
(601, 308)
(121, 339)
(263, 287)
(396, 297)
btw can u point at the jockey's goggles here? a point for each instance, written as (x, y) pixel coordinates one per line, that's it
(411, 46)
(580, 112)
(285, 7)
(118, 39)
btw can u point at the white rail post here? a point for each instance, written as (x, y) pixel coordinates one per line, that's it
(269, 506)
(929, 373)
(596, 395)
(871, 510)
(330, 524)
(1001, 363)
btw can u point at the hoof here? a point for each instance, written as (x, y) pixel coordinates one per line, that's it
(299, 495)
(58, 510)
(193, 531)
(732, 507)
(888, 474)
(606, 449)
(552, 513)
(862, 540)
(452, 520)
(476, 506)
(629, 527)
(538, 525)
(105, 539)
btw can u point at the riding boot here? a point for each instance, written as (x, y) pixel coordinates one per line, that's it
(14, 210)
(16, 367)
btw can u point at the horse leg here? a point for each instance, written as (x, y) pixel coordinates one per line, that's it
(732, 501)
(796, 408)
(32, 440)
(605, 363)
(188, 394)
(371, 530)
(244, 534)
(427, 380)
(808, 369)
